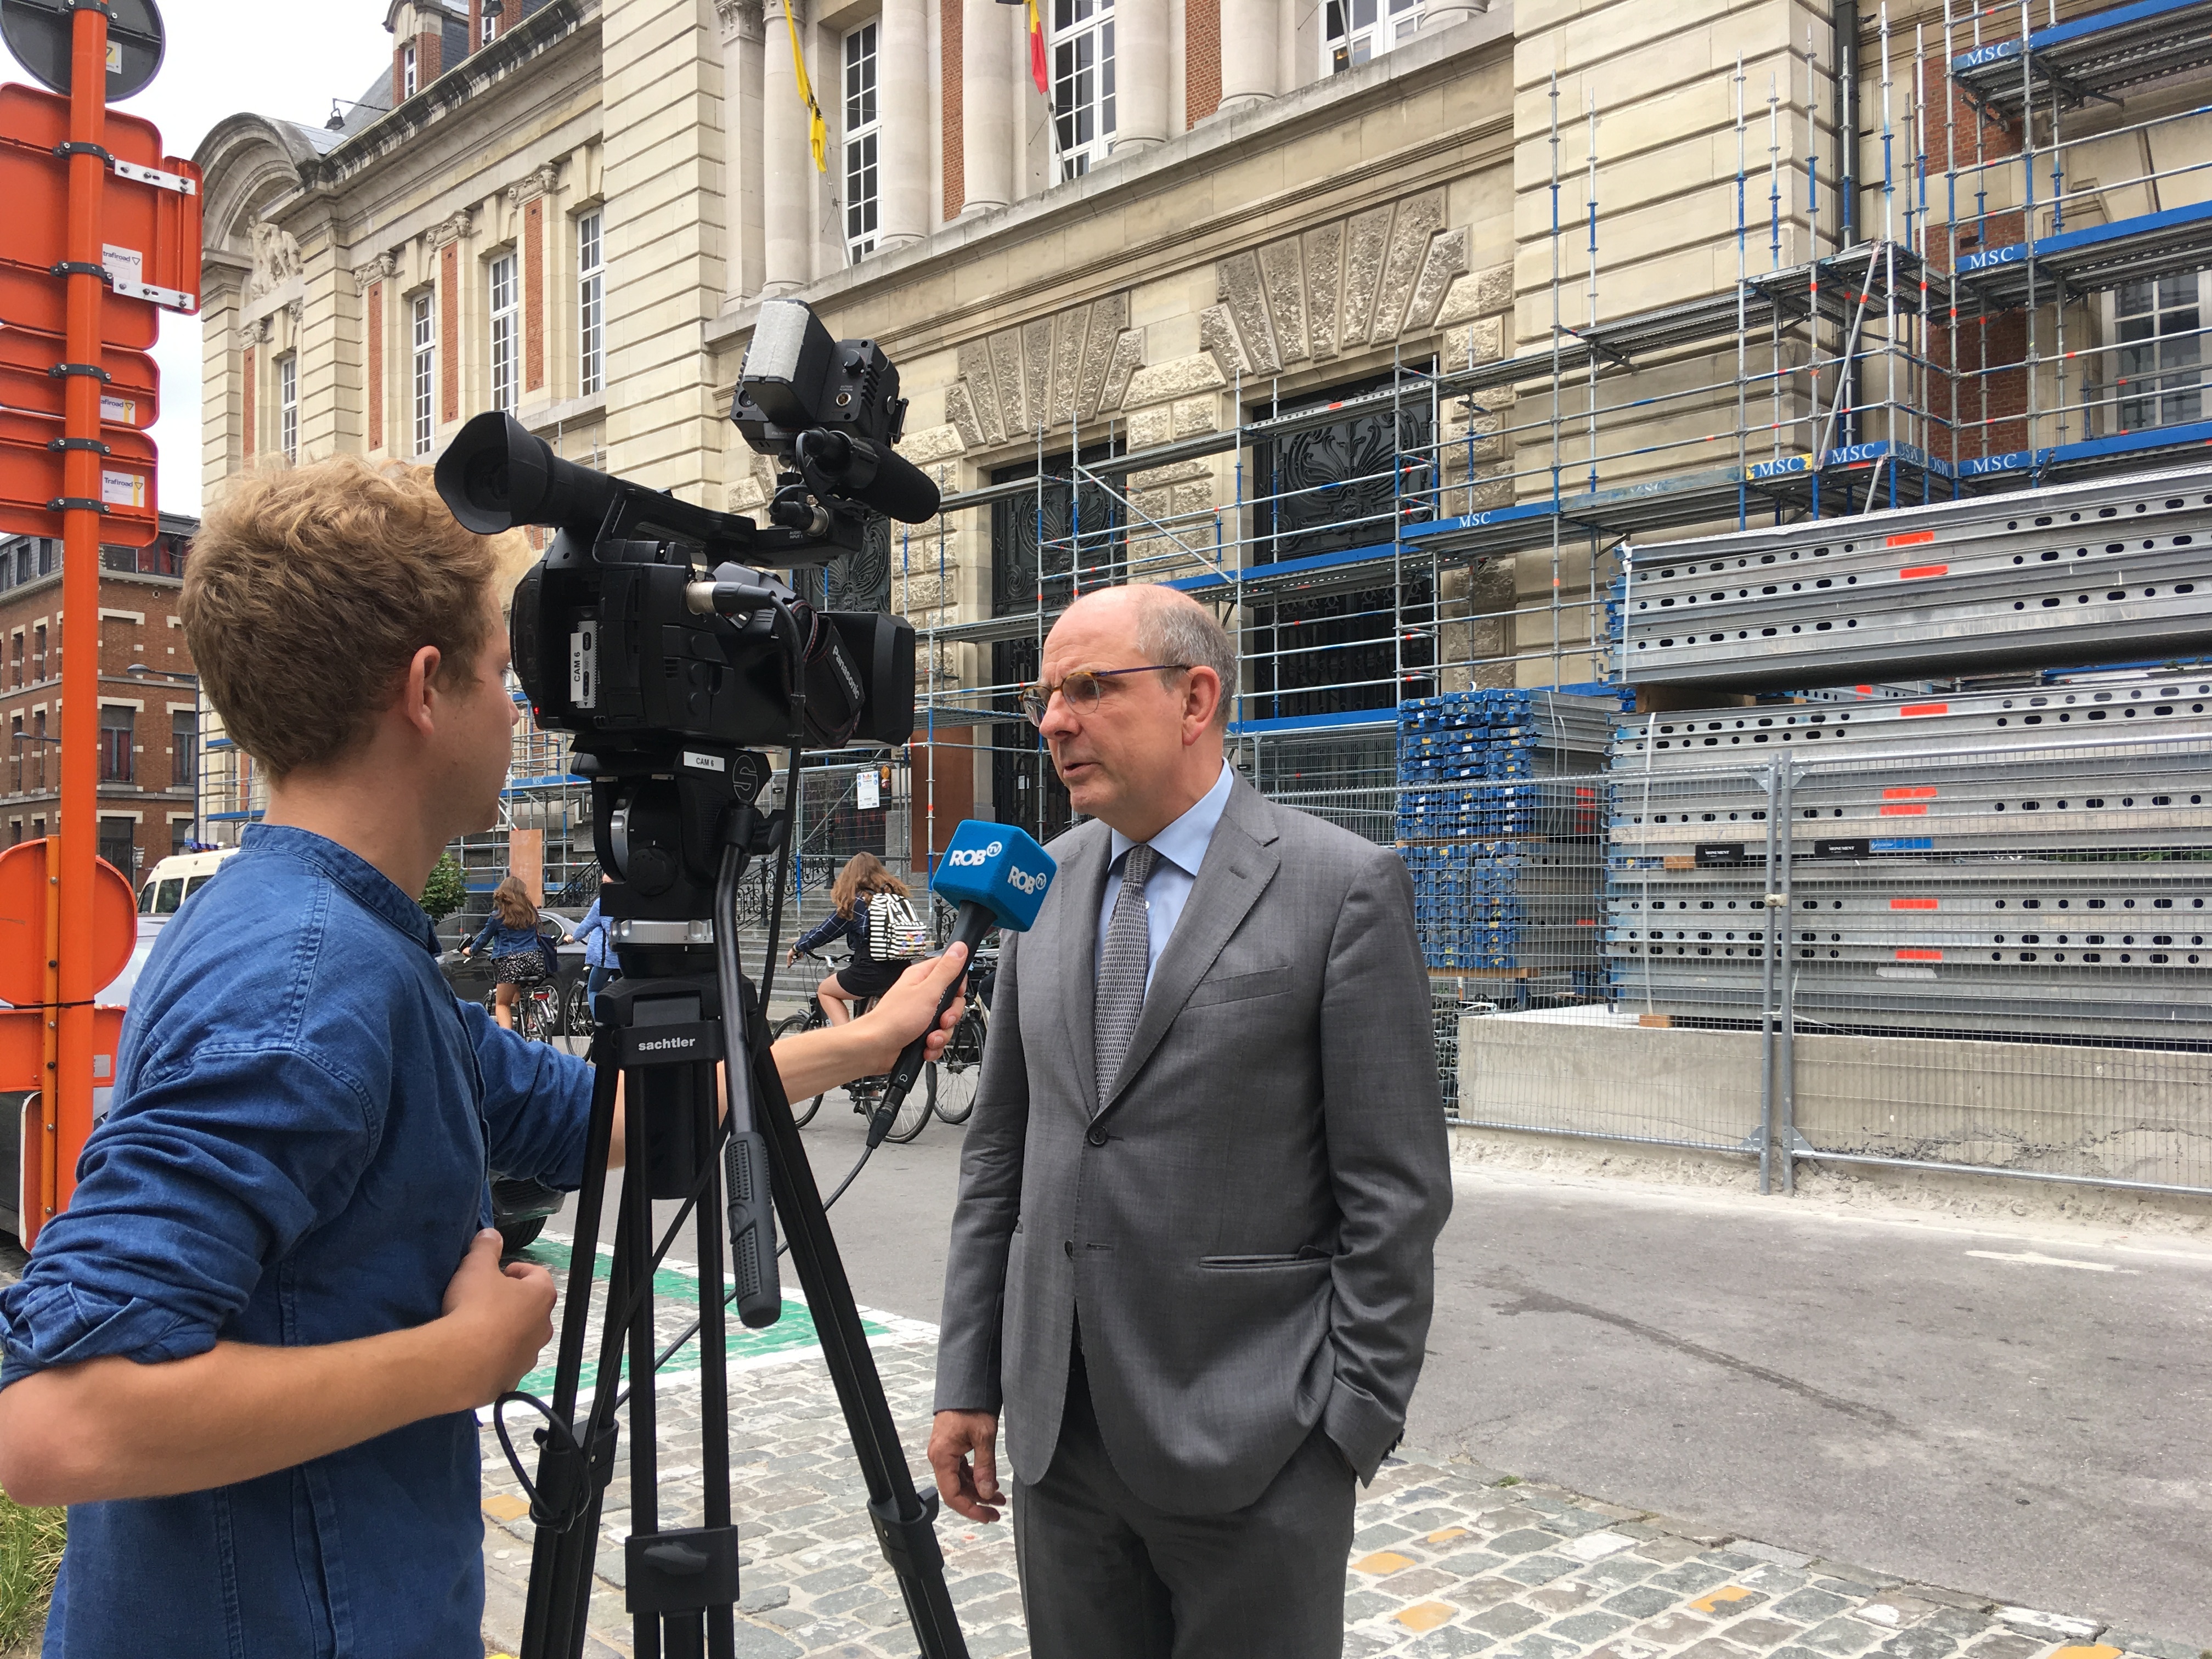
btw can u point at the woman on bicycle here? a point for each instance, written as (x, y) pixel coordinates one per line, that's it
(512, 932)
(862, 881)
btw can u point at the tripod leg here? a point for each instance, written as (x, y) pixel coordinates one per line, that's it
(644, 1447)
(553, 1624)
(714, 1371)
(902, 1517)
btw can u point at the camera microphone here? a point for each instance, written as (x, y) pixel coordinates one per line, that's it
(1000, 876)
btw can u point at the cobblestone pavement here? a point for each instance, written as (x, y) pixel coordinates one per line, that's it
(1448, 1558)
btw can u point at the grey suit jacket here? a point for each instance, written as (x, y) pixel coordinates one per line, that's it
(1245, 1226)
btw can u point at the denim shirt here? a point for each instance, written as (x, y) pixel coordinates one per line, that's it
(296, 1153)
(505, 941)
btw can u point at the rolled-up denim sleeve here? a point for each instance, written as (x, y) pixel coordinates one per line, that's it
(181, 1202)
(536, 1102)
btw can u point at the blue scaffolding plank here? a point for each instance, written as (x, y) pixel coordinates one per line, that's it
(1349, 719)
(2102, 256)
(2089, 451)
(2092, 56)
(1287, 570)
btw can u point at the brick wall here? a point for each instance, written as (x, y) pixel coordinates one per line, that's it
(955, 181)
(1201, 60)
(134, 626)
(246, 406)
(449, 332)
(533, 295)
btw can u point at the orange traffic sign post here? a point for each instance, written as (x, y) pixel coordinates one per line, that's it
(74, 237)
(56, 1119)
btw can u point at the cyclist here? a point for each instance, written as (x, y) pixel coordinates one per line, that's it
(862, 887)
(517, 961)
(594, 931)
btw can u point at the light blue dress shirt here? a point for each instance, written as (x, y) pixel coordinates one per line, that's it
(1181, 848)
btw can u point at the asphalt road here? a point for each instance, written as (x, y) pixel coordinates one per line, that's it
(1949, 1404)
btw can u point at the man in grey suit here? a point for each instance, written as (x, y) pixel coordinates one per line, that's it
(1192, 1257)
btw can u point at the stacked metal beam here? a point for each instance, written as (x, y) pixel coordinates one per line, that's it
(2033, 862)
(1499, 821)
(2115, 570)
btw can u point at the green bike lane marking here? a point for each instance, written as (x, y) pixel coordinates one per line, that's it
(791, 1340)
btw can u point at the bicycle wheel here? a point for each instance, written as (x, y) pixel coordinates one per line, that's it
(913, 1111)
(576, 1008)
(956, 1074)
(802, 1111)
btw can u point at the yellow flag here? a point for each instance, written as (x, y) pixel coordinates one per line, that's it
(818, 130)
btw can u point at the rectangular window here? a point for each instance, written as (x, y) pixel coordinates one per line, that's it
(426, 369)
(15, 756)
(1358, 30)
(183, 748)
(591, 315)
(115, 835)
(408, 83)
(488, 27)
(288, 406)
(117, 727)
(39, 653)
(1082, 83)
(2160, 360)
(505, 334)
(180, 835)
(862, 134)
(16, 658)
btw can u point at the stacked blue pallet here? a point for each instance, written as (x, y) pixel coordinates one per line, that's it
(1497, 829)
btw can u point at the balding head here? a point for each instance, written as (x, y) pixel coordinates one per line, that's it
(1142, 741)
(1166, 625)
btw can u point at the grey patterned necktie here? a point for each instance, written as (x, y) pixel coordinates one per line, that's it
(1122, 965)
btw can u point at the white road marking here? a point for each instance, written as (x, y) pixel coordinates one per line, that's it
(2035, 1260)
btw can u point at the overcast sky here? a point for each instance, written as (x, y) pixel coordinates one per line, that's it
(224, 55)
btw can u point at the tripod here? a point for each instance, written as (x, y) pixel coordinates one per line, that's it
(681, 1005)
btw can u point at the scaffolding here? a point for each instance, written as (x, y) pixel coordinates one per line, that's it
(1926, 327)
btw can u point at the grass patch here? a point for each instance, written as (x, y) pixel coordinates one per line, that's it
(30, 1555)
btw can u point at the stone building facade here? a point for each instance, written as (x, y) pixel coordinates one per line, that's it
(572, 209)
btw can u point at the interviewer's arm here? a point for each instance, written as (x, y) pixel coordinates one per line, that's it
(114, 1428)
(811, 1061)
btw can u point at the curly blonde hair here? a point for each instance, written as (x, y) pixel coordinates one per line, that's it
(309, 590)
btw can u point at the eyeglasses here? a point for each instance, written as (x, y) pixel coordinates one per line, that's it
(1081, 688)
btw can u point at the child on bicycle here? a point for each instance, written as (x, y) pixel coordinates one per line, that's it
(862, 887)
(511, 930)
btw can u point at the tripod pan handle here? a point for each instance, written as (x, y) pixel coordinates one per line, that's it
(752, 1229)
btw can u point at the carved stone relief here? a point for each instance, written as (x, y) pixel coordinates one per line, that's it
(539, 182)
(382, 269)
(276, 260)
(451, 229)
(1070, 367)
(741, 20)
(1378, 275)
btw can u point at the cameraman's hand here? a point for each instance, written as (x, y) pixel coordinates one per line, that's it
(500, 1318)
(952, 1436)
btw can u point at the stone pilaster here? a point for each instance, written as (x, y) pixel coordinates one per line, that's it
(903, 91)
(1249, 52)
(787, 157)
(662, 180)
(744, 44)
(987, 104)
(1140, 74)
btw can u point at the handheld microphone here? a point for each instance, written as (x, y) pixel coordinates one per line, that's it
(1000, 876)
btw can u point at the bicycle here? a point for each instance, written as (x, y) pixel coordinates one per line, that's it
(947, 1085)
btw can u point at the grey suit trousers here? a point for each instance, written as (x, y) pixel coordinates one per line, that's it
(1107, 1576)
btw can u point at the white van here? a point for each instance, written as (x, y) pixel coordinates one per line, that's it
(176, 879)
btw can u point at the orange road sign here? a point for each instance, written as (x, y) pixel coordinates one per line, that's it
(26, 886)
(131, 395)
(149, 228)
(31, 486)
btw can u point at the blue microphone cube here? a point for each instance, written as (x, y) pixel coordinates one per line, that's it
(999, 867)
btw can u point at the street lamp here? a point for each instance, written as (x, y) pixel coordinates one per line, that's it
(199, 756)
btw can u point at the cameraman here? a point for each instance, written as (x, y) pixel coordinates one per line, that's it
(248, 1355)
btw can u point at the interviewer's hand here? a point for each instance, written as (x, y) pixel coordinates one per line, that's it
(501, 1317)
(952, 1436)
(903, 1013)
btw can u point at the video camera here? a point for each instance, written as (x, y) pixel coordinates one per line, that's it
(653, 630)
